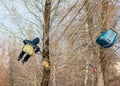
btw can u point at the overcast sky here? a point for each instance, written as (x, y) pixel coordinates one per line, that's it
(21, 9)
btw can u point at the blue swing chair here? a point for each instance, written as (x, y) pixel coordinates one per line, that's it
(107, 38)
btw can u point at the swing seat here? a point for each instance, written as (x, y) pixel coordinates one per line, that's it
(28, 49)
(107, 38)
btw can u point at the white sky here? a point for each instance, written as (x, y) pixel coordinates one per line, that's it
(5, 16)
(19, 6)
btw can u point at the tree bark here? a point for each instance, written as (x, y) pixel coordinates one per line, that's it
(103, 52)
(46, 72)
(88, 8)
(86, 74)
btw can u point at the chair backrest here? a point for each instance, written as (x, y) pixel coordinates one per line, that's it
(111, 36)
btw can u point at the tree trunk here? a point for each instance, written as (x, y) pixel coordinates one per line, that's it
(103, 62)
(103, 52)
(100, 81)
(88, 8)
(46, 72)
(86, 74)
(12, 55)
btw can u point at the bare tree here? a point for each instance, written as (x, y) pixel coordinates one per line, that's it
(68, 31)
(46, 72)
(103, 52)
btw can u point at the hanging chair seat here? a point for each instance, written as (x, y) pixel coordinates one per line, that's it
(107, 38)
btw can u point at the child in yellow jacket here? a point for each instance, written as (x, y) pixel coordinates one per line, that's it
(29, 48)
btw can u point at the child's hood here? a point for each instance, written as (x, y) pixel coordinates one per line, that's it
(35, 40)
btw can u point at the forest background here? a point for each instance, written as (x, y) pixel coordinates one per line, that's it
(67, 30)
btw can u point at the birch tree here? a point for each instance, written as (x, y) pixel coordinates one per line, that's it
(103, 52)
